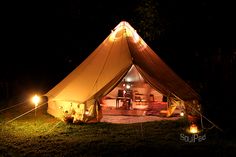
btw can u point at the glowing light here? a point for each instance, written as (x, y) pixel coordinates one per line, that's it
(125, 28)
(193, 129)
(128, 86)
(124, 91)
(128, 79)
(119, 25)
(181, 114)
(112, 36)
(130, 32)
(86, 112)
(36, 100)
(136, 36)
(115, 32)
(142, 45)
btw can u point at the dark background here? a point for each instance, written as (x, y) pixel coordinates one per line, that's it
(43, 41)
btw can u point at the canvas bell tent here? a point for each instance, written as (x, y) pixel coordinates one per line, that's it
(122, 55)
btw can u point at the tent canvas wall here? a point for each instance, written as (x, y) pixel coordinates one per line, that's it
(105, 67)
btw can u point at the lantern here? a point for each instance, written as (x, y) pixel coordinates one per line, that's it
(193, 129)
(181, 113)
(36, 100)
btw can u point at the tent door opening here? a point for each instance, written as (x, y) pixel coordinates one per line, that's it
(133, 96)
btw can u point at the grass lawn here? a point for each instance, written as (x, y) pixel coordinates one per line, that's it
(44, 135)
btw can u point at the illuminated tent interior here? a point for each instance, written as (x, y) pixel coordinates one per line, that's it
(122, 58)
(140, 97)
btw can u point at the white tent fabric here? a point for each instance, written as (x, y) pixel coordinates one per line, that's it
(107, 65)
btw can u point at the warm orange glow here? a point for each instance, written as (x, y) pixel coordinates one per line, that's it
(86, 112)
(112, 36)
(136, 36)
(193, 129)
(181, 114)
(129, 31)
(124, 28)
(142, 44)
(114, 33)
(36, 100)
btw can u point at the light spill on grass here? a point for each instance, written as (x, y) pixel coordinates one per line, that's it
(47, 136)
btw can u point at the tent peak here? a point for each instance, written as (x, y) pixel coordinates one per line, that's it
(124, 28)
(124, 25)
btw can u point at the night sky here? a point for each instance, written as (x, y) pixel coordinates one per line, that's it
(44, 41)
